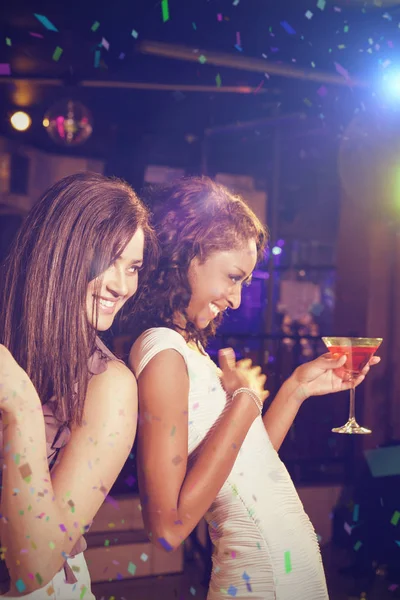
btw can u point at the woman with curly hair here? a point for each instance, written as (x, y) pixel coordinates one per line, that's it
(203, 446)
(68, 406)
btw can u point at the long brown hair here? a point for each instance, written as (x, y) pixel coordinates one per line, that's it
(72, 235)
(194, 216)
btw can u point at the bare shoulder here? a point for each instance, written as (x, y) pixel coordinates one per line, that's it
(116, 387)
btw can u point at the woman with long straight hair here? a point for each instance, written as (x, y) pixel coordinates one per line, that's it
(68, 406)
(204, 447)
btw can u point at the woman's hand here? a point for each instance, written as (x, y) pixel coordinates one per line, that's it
(326, 375)
(241, 374)
(16, 389)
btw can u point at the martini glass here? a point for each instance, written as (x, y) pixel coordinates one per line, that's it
(358, 351)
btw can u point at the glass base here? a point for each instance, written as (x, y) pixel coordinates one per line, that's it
(351, 427)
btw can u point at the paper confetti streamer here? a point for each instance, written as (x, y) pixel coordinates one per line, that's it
(45, 22)
(165, 10)
(288, 28)
(165, 544)
(288, 562)
(57, 53)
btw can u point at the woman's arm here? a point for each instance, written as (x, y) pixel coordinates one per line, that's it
(44, 515)
(174, 498)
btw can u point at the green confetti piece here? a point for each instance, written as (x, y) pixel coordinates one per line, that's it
(16, 459)
(202, 59)
(321, 4)
(57, 53)
(346, 28)
(218, 80)
(8, 42)
(173, 430)
(83, 592)
(131, 568)
(39, 578)
(357, 545)
(194, 26)
(165, 10)
(395, 518)
(95, 26)
(134, 34)
(107, 542)
(52, 545)
(288, 562)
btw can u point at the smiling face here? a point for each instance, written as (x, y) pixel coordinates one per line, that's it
(119, 283)
(217, 283)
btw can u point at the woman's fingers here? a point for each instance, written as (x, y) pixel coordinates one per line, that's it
(244, 363)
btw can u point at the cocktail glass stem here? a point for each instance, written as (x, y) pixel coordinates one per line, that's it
(352, 411)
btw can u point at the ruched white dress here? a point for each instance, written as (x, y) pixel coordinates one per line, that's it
(265, 547)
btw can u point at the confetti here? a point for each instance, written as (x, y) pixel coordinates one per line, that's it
(193, 591)
(342, 71)
(37, 35)
(322, 91)
(165, 10)
(202, 59)
(131, 568)
(97, 58)
(57, 53)
(95, 26)
(45, 21)
(219, 17)
(321, 4)
(395, 518)
(105, 43)
(165, 544)
(236, 2)
(348, 529)
(177, 460)
(144, 557)
(19, 584)
(5, 69)
(356, 512)
(62, 527)
(39, 578)
(50, 591)
(134, 34)
(83, 592)
(25, 472)
(232, 591)
(357, 545)
(288, 28)
(288, 562)
(309, 14)
(8, 41)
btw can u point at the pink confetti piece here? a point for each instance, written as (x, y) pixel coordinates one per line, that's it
(348, 529)
(105, 44)
(62, 527)
(322, 91)
(219, 17)
(238, 41)
(110, 500)
(5, 69)
(36, 35)
(342, 71)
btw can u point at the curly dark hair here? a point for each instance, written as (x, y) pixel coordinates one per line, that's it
(192, 217)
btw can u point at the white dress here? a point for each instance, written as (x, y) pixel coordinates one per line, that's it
(265, 547)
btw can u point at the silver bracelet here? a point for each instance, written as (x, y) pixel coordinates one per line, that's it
(256, 398)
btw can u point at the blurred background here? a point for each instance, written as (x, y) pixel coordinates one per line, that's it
(294, 105)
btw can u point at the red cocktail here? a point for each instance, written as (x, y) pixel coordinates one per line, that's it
(359, 352)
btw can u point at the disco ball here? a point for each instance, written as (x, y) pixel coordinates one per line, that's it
(68, 123)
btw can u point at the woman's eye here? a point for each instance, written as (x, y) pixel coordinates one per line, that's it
(235, 278)
(133, 269)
